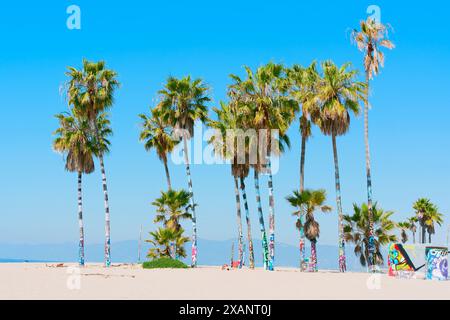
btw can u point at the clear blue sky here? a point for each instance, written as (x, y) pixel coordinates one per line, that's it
(145, 41)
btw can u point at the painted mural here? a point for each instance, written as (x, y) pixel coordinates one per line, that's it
(437, 263)
(405, 260)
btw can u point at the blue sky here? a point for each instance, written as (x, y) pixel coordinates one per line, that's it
(145, 41)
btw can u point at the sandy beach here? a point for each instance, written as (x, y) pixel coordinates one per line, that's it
(50, 281)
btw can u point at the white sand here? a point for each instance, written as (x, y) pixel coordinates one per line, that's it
(46, 281)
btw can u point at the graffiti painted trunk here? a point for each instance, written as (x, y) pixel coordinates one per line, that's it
(239, 221)
(271, 218)
(265, 248)
(342, 262)
(107, 215)
(80, 221)
(194, 217)
(249, 227)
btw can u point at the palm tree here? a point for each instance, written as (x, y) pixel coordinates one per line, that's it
(369, 40)
(72, 140)
(357, 231)
(303, 83)
(184, 101)
(162, 242)
(432, 218)
(423, 208)
(265, 96)
(307, 203)
(171, 207)
(91, 91)
(225, 145)
(337, 94)
(404, 226)
(158, 135)
(412, 227)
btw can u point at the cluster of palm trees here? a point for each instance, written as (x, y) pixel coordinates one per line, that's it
(426, 216)
(266, 100)
(83, 132)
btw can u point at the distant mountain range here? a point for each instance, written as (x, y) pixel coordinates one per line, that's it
(211, 252)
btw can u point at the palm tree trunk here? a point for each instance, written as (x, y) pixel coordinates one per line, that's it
(429, 237)
(80, 221)
(302, 188)
(249, 227)
(166, 168)
(313, 256)
(239, 220)
(414, 237)
(271, 218)
(302, 245)
(106, 201)
(302, 164)
(107, 215)
(423, 234)
(371, 247)
(194, 218)
(342, 262)
(261, 223)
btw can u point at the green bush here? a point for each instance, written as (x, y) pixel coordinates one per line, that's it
(164, 263)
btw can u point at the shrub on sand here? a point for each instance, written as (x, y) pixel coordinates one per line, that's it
(164, 263)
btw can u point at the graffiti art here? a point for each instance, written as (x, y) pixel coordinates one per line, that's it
(404, 259)
(437, 263)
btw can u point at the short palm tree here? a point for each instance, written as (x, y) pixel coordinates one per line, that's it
(91, 90)
(307, 203)
(171, 207)
(404, 227)
(184, 102)
(158, 135)
(162, 243)
(369, 40)
(357, 231)
(73, 141)
(338, 94)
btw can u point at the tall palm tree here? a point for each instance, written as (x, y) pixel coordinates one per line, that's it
(265, 92)
(72, 140)
(369, 40)
(184, 101)
(423, 208)
(337, 95)
(158, 135)
(433, 217)
(357, 231)
(307, 203)
(225, 145)
(303, 83)
(91, 91)
(412, 227)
